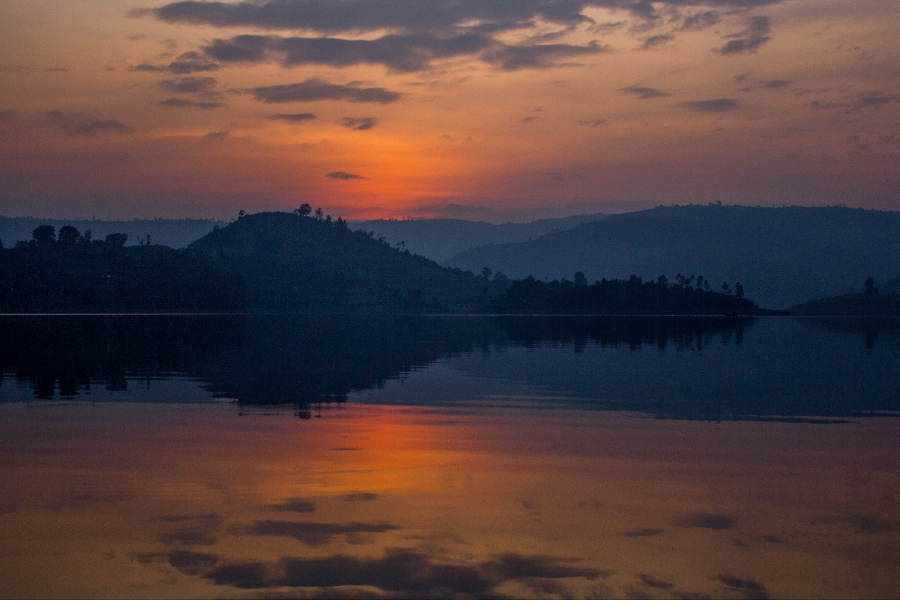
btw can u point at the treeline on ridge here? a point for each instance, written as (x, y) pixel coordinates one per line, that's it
(72, 272)
(688, 295)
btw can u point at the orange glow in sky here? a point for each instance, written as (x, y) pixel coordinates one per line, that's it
(420, 108)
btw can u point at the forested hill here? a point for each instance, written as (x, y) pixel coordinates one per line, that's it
(781, 256)
(306, 264)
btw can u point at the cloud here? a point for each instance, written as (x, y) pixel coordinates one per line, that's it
(643, 532)
(592, 122)
(749, 41)
(189, 62)
(188, 85)
(873, 100)
(81, 124)
(361, 497)
(313, 90)
(865, 100)
(707, 521)
(312, 534)
(750, 587)
(189, 536)
(700, 21)
(217, 135)
(644, 93)
(399, 53)
(297, 505)
(403, 571)
(189, 563)
(182, 103)
(360, 124)
(777, 84)
(293, 118)
(344, 176)
(711, 106)
(655, 41)
(512, 58)
(9, 114)
(330, 16)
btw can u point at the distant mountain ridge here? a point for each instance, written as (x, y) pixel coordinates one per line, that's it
(442, 239)
(783, 256)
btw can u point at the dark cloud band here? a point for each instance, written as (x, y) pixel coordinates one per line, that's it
(411, 15)
(313, 90)
(399, 53)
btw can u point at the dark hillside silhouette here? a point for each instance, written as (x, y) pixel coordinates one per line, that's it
(72, 272)
(783, 256)
(687, 296)
(300, 263)
(174, 233)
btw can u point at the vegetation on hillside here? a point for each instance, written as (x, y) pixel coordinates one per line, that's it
(72, 272)
(302, 263)
(688, 295)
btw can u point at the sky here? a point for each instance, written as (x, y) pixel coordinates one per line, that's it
(478, 109)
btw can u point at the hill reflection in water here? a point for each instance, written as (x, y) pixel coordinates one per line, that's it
(672, 367)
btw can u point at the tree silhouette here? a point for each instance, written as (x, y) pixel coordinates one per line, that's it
(44, 235)
(580, 278)
(116, 240)
(870, 286)
(68, 236)
(304, 210)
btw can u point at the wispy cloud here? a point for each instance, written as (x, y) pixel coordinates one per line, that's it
(750, 40)
(344, 175)
(711, 106)
(644, 93)
(360, 123)
(184, 103)
(292, 117)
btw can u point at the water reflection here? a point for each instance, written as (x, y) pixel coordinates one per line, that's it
(672, 367)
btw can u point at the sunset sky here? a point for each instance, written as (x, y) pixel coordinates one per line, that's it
(479, 109)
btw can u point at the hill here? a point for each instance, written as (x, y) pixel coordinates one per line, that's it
(304, 264)
(782, 256)
(75, 274)
(441, 239)
(174, 233)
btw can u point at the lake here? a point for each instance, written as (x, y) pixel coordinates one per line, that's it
(453, 456)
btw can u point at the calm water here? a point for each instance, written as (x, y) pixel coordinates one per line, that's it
(449, 457)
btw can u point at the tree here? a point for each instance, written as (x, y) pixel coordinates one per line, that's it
(44, 235)
(725, 288)
(319, 213)
(116, 240)
(68, 236)
(870, 286)
(738, 290)
(486, 273)
(304, 210)
(580, 279)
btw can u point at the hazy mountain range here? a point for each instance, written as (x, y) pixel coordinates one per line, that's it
(442, 239)
(782, 256)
